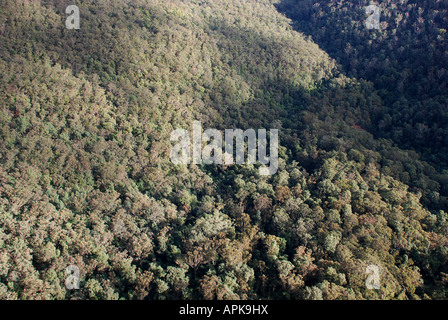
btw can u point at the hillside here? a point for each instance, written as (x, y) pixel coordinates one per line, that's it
(86, 178)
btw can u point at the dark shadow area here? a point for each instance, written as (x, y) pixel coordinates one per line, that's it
(405, 60)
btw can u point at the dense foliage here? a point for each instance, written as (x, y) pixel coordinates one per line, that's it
(86, 179)
(406, 60)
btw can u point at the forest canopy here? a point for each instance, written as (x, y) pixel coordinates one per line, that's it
(86, 178)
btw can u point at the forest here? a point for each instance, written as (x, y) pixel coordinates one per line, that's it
(86, 178)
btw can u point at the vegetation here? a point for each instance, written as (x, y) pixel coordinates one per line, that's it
(86, 178)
